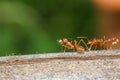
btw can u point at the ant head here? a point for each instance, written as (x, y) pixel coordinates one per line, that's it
(115, 42)
(65, 40)
(60, 41)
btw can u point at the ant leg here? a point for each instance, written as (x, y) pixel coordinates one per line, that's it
(110, 48)
(95, 48)
(61, 49)
(64, 50)
(84, 44)
(90, 48)
(73, 50)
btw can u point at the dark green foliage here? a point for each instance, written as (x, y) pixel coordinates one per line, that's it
(34, 26)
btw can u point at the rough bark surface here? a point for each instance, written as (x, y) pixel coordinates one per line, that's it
(94, 65)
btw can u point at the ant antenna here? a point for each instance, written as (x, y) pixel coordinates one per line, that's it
(83, 38)
(104, 37)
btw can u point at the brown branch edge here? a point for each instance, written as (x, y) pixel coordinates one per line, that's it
(74, 57)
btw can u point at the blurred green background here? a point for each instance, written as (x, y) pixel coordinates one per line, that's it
(34, 26)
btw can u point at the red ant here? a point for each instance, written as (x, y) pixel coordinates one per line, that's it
(95, 42)
(110, 42)
(103, 43)
(66, 44)
(69, 45)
